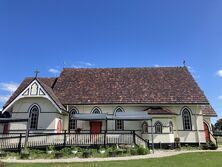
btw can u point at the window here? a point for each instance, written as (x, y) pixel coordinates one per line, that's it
(119, 123)
(145, 127)
(186, 120)
(72, 121)
(34, 115)
(158, 127)
(171, 127)
(96, 111)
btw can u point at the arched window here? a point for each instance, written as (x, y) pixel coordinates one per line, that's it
(186, 120)
(119, 124)
(72, 121)
(158, 127)
(96, 110)
(144, 127)
(171, 127)
(34, 115)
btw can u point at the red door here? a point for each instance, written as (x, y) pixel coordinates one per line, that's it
(207, 133)
(59, 126)
(95, 127)
(6, 128)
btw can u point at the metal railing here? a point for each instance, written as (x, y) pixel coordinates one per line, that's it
(17, 141)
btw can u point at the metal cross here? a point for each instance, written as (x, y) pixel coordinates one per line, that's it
(184, 63)
(36, 73)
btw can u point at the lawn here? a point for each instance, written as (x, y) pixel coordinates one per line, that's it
(210, 159)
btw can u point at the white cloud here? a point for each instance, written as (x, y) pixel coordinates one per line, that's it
(156, 65)
(219, 73)
(53, 71)
(82, 64)
(8, 87)
(3, 98)
(220, 97)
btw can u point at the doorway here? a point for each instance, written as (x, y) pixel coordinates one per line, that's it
(207, 132)
(95, 127)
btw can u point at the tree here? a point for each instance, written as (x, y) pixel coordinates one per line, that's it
(218, 125)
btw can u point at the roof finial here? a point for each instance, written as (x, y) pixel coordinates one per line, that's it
(36, 73)
(64, 64)
(184, 63)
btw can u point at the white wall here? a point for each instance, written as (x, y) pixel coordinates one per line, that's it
(196, 135)
(47, 115)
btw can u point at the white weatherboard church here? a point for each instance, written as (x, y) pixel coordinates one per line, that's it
(165, 101)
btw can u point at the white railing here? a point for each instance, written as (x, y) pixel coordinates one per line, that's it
(84, 139)
(119, 138)
(9, 143)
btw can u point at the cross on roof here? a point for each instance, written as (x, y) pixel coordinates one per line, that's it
(36, 73)
(184, 63)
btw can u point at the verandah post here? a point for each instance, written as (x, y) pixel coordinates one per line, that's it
(64, 142)
(105, 135)
(20, 142)
(134, 137)
(27, 133)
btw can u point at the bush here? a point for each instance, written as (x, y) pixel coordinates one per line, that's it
(112, 151)
(133, 151)
(25, 153)
(58, 154)
(66, 151)
(86, 154)
(73, 148)
(142, 150)
(2, 153)
(50, 148)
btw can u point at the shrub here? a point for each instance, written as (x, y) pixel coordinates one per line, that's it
(86, 154)
(66, 151)
(142, 150)
(25, 153)
(101, 150)
(74, 148)
(133, 151)
(58, 154)
(50, 148)
(112, 151)
(2, 153)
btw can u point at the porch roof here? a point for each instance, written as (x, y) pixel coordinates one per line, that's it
(7, 120)
(89, 116)
(130, 116)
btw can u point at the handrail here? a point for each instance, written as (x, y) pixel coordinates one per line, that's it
(214, 139)
(146, 142)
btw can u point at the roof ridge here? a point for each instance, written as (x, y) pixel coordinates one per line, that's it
(163, 67)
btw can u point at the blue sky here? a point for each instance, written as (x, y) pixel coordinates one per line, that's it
(49, 35)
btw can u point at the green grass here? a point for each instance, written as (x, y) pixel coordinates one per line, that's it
(209, 159)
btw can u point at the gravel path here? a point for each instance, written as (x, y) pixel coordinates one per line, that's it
(157, 154)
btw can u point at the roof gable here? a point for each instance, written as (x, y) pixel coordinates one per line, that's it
(34, 87)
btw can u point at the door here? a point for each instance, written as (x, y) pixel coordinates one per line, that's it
(6, 128)
(59, 126)
(206, 131)
(95, 127)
